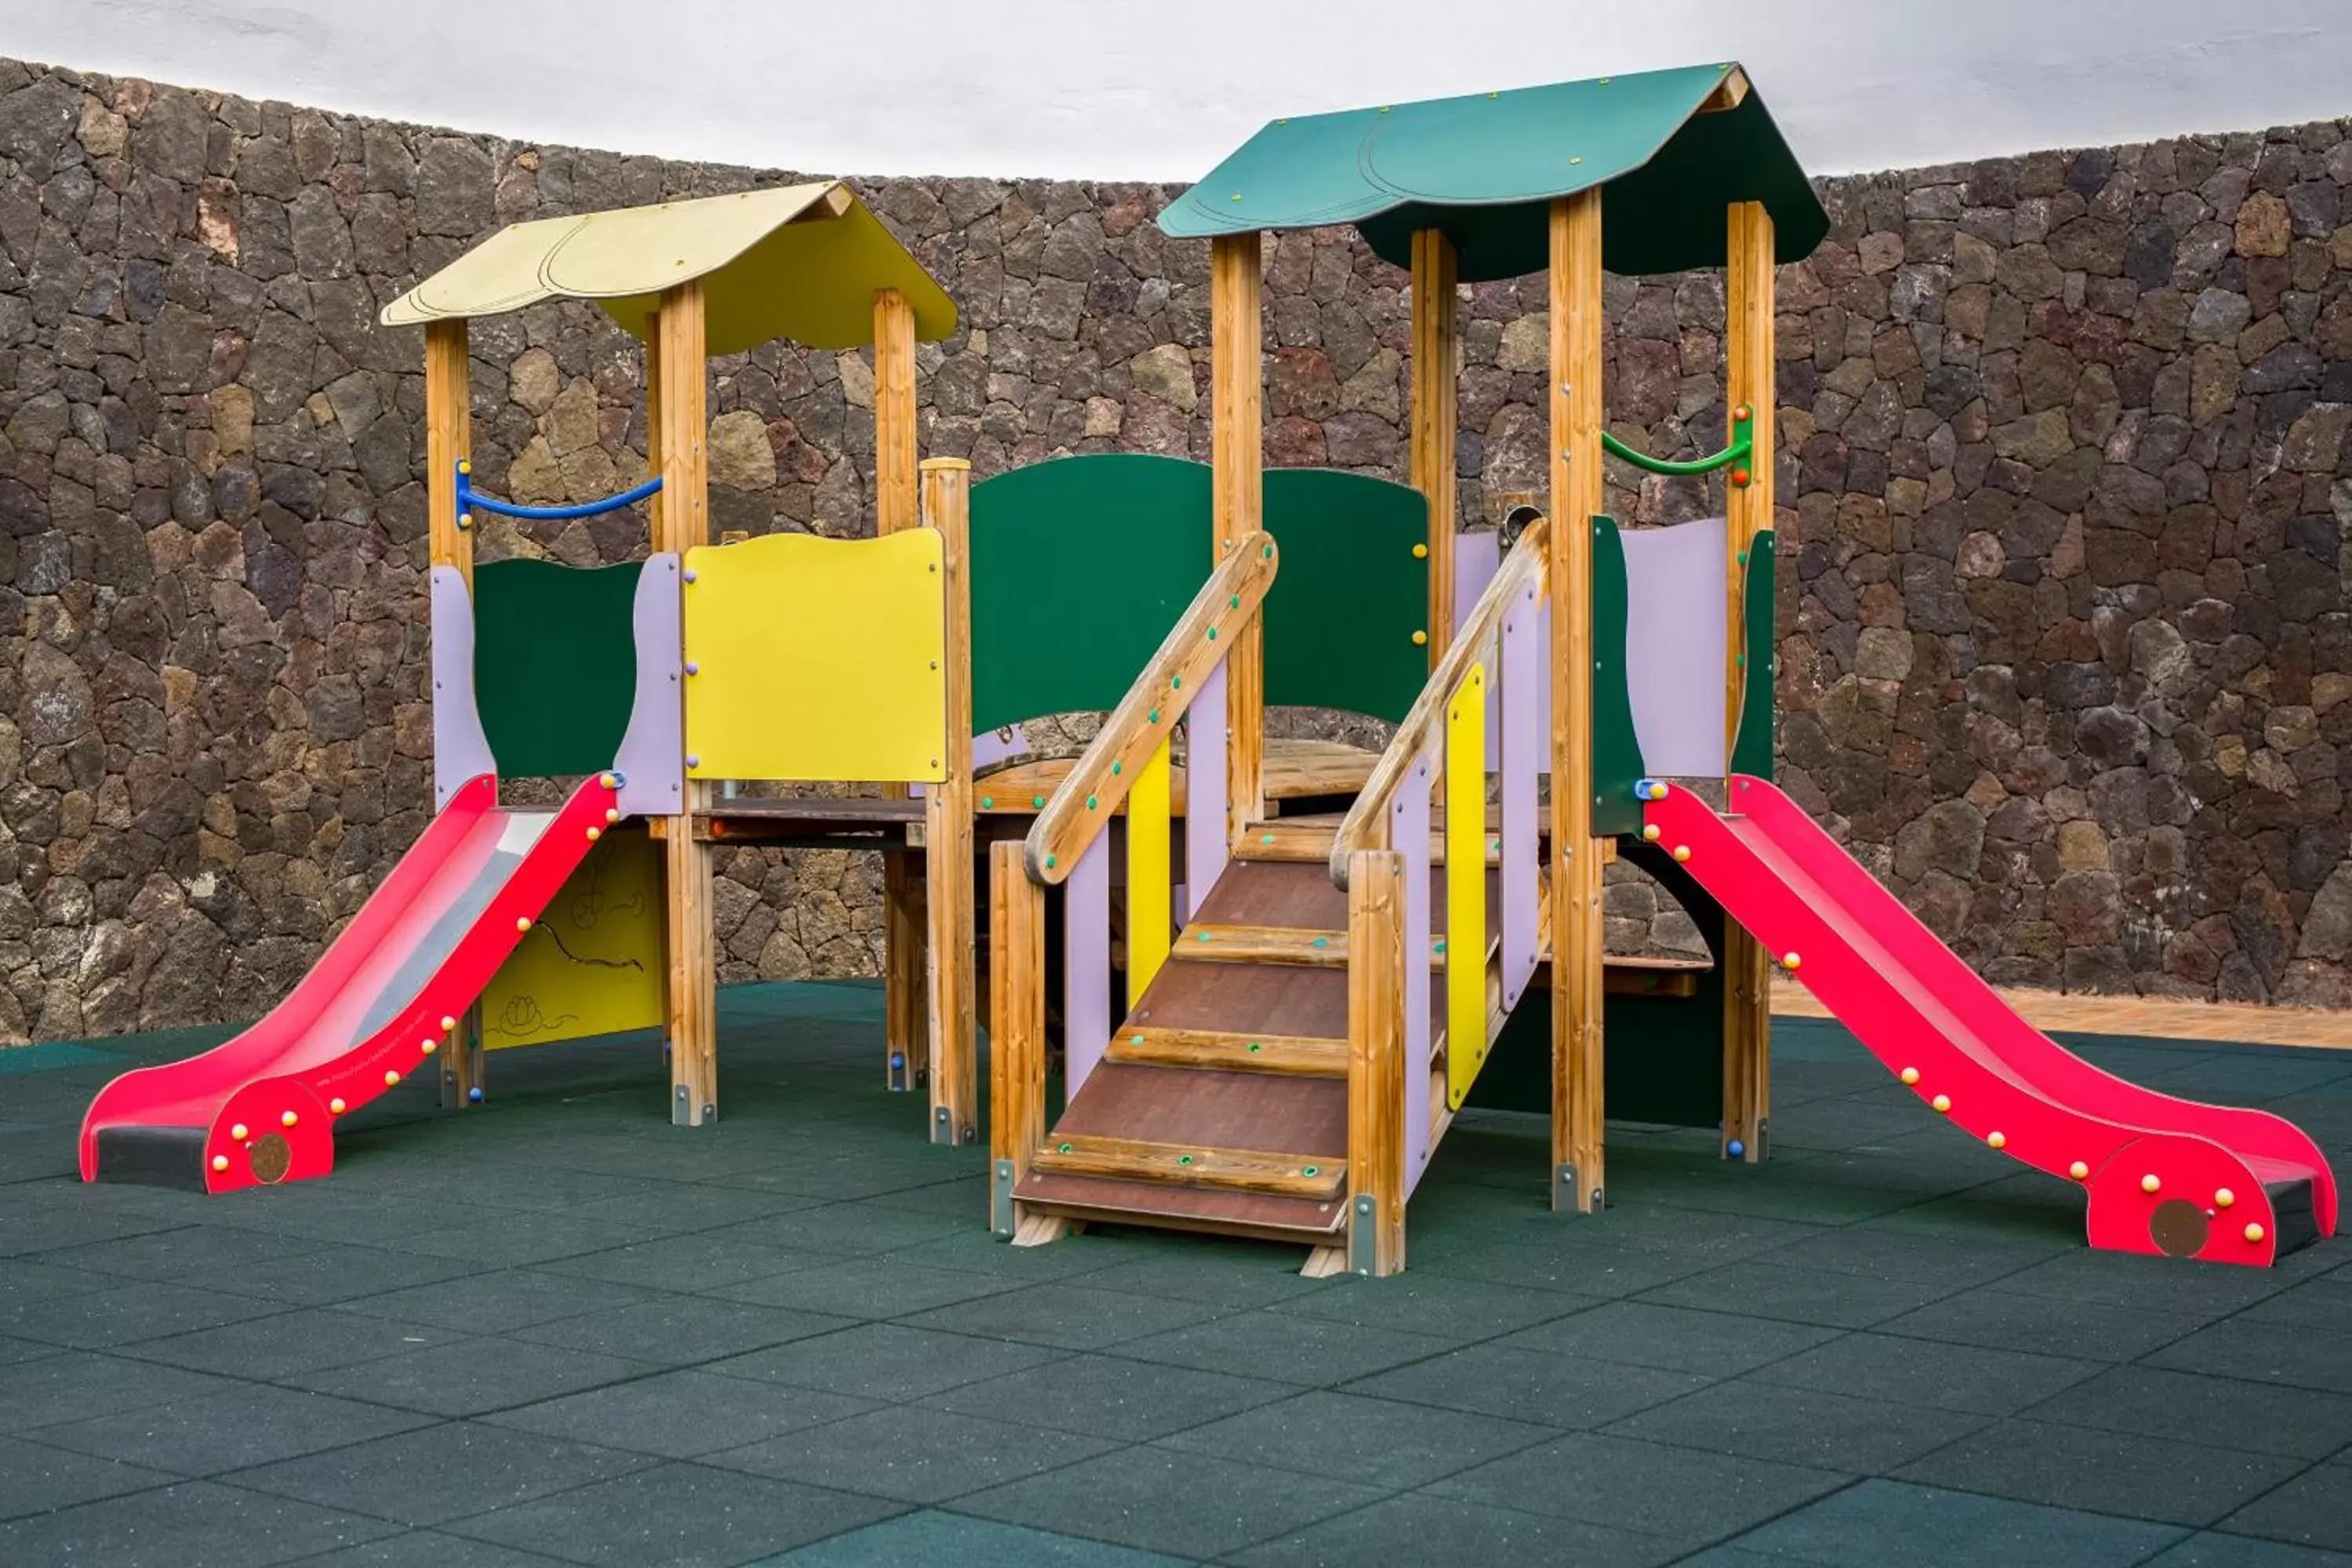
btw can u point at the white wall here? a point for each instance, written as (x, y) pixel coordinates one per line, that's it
(1120, 89)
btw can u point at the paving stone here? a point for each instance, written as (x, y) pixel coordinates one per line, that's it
(1880, 1522)
(882, 1361)
(2108, 1472)
(1568, 1392)
(1111, 1397)
(911, 1455)
(437, 1473)
(681, 1515)
(1680, 1494)
(931, 1536)
(1932, 1373)
(1800, 1425)
(1350, 1438)
(1671, 1338)
(1161, 1501)
(180, 1526)
(228, 1429)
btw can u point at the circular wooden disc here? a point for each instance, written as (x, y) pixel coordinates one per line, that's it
(2178, 1227)
(271, 1157)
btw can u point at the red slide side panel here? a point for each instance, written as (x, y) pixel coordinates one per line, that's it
(2162, 1175)
(268, 1098)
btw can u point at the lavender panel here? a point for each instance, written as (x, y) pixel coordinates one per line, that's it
(1677, 617)
(989, 748)
(1476, 558)
(1205, 846)
(1522, 743)
(460, 750)
(1409, 833)
(652, 758)
(1086, 965)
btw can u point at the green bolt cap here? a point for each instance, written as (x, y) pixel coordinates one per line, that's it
(1049, 862)
(1176, 683)
(1153, 717)
(1114, 768)
(1322, 941)
(1213, 634)
(1065, 1149)
(986, 802)
(1091, 803)
(1183, 1159)
(1234, 603)
(1310, 1170)
(1037, 801)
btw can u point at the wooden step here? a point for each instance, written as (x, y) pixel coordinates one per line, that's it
(1275, 944)
(1191, 1166)
(1308, 840)
(1303, 1056)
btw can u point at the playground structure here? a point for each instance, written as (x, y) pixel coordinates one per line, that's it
(1320, 954)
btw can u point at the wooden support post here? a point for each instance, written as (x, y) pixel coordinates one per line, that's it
(1747, 968)
(1577, 1172)
(1016, 1029)
(906, 1004)
(1376, 1064)
(947, 827)
(1435, 401)
(1238, 405)
(679, 438)
(448, 437)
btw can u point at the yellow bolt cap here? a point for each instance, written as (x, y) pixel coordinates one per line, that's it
(428, 1045)
(289, 1119)
(1997, 1140)
(1681, 852)
(1650, 833)
(1910, 1075)
(390, 1078)
(613, 814)
(2079, 1170)
(1791, 960)
(337, 1106)
(241, 1132)
(220, 1161)
(447, 1024)
(2223, 1197)
(594, 833)
(1419, 637)
(1420, 552)
(1942, 1102)
(2151, 1183)
(522, 923)
(2254, 1233)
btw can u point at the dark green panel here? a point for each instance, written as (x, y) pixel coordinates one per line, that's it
(1349, 596)
(1664, 1054)
(1751, 749)
(1616, 748)
(1079, 565)
(555, 663)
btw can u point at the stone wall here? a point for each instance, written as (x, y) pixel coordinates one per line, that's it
(2067, 661)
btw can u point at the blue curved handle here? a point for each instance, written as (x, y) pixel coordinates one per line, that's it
(469, 498)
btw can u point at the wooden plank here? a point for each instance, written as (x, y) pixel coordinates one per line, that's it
(1748, 319)
(951, 927)
(1299, 1117)
(1237, 434)
(1294, 770)
(907, 1041)
(1207, 943)
(1435, 415)
(1729, 94)
(1149, 882)
(1191, 1165)
(1577, 1109)
(681, 454)
(1376, 1064)
(1016, 1026)
(448, 439)
(1304, 1055)
(1465, 788)
(1210, 630)
(1209, 1211)
(895, 487)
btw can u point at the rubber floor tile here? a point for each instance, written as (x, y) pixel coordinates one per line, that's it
(1066, 1316)
(2210, 1550)
(74, 1384)
(288, 1343)
(678, 1515)
(472, 1376)
(911, 1455)
(681, 1330)
(2004, 1321)
(1545, 1390)
(1350, 1437)
(1937, 1373)
(429, 1548)
(1671, 1338)
(2315, 1509)
(126, 1312)
(2220, 1411)
(1161, 1500)
(1881, 1522)
(871, 1287)
(38, 1477)
(1442, 1533)
(1760, 1289)
(229, 1429)
(1425, 1303)
(954, 1538)
(1801, 1426)
(2108, 1472)
(1683, 1494)
(2263, 1351)
(1286, 1347)
(883, 1361)
(1107, 1396)
(322, 1276)
(701, 1262)
(680, 1415)
(438, 1473)
(196, 1524)
(176, 1254)
(496, 1302)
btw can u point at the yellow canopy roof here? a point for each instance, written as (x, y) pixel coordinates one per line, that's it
(792, 261)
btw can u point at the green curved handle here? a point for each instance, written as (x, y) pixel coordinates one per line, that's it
(1743, 441)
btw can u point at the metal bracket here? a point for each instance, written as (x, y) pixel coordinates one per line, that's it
(1363, 1235)
(1563, 1190)
(1000, 1198)
(1763, 1139)
(942, 1125)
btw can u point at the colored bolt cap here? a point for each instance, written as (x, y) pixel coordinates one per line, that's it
(241, 1132)
(337, 1106)
(1153, 717)
(2079, 1170)
(1743, 412)
(1420, 552)
(1941, 1104)
(987, 802)
(390, 1078)
(287, 1119)
(2254, 1234)
(1213, 634)
(220, 1161)
(690, 573)
(594, 833)
(1736, 1149)
(1909, 1075)
(1681, 852)
(1091, 803)
(1419, 638)
(1310, 1170)
(694, 666)
(1065, 1149)
(449, 1025)
(693, 759)
(1049, 862)
(2223, 1197)
(1116, 767)
(1037, 802)
(522, 923)
(606, 779)
(613, 814)
(2151, 1183)
(1650, 833)
(427, 1045)
(1996, 1140)
(474, 1096)
(1791, 960)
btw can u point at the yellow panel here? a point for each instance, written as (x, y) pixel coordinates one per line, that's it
(592, 963)
(1148, 917)
(816, 658)
(1465, 884)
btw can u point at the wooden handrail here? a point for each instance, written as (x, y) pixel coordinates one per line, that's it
(1529, 564)
(1095, 788)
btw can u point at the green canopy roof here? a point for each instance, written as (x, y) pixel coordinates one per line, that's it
(1676, 147)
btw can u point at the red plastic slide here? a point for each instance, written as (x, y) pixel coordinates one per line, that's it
(378, 1005)
(2163, 1175)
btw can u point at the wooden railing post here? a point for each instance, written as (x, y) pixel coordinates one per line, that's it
(1376, 1060)
(947, 825)
(1575, 857)
(1016, 1029)
(908, 1042)
(678, 440)
(1436, 402)
(1237, 372)
(448, 437)
(1747, 967)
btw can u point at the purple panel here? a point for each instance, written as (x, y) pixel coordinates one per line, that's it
(1409, 833)
(1206, 845)
(460, 750)
(652, 758)
(1476, 558)
(989, 748)
(1086, 965)
(1522, 742)
(1677, 615)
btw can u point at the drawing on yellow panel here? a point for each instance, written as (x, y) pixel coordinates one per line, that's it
(591, 965)
(817, 658)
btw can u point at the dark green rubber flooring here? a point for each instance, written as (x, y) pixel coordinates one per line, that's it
(555, 1330)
